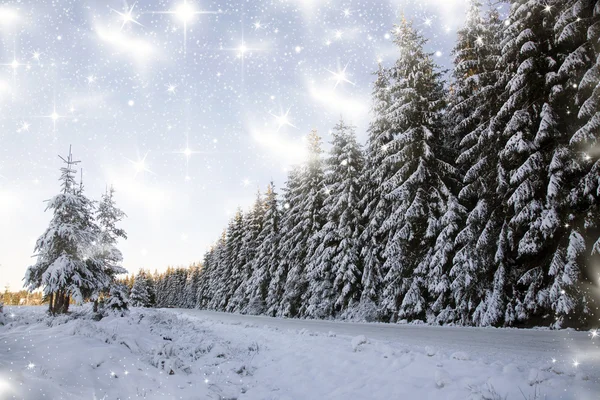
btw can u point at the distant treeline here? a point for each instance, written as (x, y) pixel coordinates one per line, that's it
(22, 297)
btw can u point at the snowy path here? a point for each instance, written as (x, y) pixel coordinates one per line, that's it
(422, 361)
(536, 345)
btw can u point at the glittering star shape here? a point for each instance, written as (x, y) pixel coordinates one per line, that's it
(242, 49)
(91, 79)
(283, 119)
(54, 116)
(347, 12)
(30, 366)
(127, 16)
(575, 363)
(140, 165)
(427, 21)
(246, 182)
(171, 88)
(36, 55)
(188, 152)
(594, 334)
(340, 76)
(185, 12)
(479, 40)
(257, 25)
(14, 65)
(338, 34)
(548, 8)
(24, 127)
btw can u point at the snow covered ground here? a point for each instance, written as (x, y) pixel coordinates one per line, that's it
(192, 354)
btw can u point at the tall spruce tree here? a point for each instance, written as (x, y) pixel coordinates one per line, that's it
(190, 291)
(266, 260)
(289, 218)
(178, 283)
(108, 215)
(214, 277)
(230, 266)
(417, 188)
(252, 227)
(476, 90)
(309, 219)
(335, 270)
(203, 294)
(575, 167)
(374, 205)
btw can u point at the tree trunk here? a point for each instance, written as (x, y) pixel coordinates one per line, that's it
(66, 304)
(96, 305)
(50, 304)
(58, 302)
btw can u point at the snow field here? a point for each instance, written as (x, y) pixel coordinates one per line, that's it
(171, 354)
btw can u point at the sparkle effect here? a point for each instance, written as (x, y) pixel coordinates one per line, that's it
(283, 120)
(185, 12)
(340, 76)
(127, 17)
(140, 165)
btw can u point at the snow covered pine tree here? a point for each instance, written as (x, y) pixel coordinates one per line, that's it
(141, 290)
(308, 220)
(110, 257)
(416, 187)
(334, 270)
(69, 265)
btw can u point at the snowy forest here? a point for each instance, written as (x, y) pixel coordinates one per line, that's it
(300, 199)
(474, 201)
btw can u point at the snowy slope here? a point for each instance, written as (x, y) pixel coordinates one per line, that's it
(224, 356)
